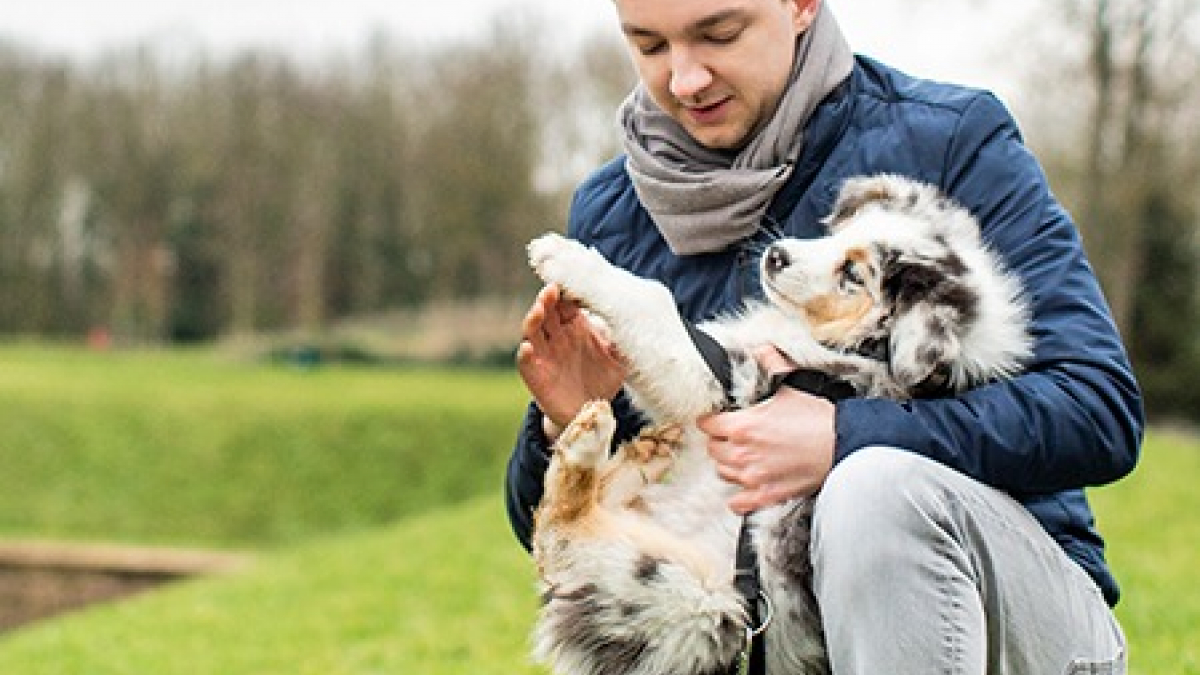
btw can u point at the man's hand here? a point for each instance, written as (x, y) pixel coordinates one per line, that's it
(564, 361)
(776, 450)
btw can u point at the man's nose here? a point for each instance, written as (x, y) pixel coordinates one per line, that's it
(689, 75)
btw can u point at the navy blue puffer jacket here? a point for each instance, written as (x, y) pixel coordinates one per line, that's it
(1073, 420)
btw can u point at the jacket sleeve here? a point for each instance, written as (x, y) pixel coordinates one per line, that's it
(1074, 418)
(526, 471)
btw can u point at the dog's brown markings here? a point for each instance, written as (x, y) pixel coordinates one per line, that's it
(638, 505)
(584, 592)
(576, 487)
(859, 255)
(849, 206)
(647, 452)
(572, 491)
(833, 317)
(654, 442)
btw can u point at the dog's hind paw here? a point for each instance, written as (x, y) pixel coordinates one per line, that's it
(586, 440)
(654, 449)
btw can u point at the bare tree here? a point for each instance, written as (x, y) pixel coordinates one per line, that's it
(193, 198)
(1140, 52)
(1127, 165)
(129, 166)
(584, 92)
(476, 159)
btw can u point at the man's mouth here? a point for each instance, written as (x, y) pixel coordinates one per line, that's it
(708, 107)
(708, 112)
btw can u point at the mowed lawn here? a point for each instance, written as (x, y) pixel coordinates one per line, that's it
(372, 501)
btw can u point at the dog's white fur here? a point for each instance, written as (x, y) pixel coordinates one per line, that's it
(636, 551)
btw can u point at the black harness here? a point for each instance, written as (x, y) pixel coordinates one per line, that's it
(808, 380)
(752, 659)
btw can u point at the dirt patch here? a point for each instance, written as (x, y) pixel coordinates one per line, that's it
(39, 579)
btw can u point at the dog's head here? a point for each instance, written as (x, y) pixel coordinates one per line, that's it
(904, 276)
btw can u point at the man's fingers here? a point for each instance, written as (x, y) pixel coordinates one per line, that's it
(761, 496)
(560, 302)
(773, 360)
(546, 317)
(743, 503)
(533, 326)
(527, 352)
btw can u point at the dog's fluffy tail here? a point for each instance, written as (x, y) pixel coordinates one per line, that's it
(660, 618)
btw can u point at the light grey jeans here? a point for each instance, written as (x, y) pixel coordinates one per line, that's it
(921, 570)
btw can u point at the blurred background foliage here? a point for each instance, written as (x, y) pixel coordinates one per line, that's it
(147, 198)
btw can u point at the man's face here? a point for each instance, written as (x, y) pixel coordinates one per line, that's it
(718, 67)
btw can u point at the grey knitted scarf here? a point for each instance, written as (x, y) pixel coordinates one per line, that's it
(704, 200)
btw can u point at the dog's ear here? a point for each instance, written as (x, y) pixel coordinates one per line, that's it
(924, 345)
(856, 193)
(930, 304)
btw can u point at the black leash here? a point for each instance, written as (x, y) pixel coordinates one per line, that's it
(752, 659)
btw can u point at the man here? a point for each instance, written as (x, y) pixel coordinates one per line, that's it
(950, 534)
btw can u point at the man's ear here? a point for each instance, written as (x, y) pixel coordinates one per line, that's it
(805, 14)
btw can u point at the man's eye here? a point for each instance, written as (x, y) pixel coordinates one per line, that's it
(651, 47)
(725, 37)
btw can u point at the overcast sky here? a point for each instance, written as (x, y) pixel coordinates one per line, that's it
(961, 41)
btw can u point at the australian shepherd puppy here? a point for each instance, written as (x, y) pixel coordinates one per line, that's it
(636, 549)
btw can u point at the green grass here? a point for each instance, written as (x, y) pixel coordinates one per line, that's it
(1152, 523)
(448, 593)
(340, 478)
(189, 448)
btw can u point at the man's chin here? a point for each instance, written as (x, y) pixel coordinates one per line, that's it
(720, 139)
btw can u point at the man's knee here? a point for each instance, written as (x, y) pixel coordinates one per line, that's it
(877, 502)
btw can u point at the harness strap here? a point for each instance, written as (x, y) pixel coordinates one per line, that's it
(813, 382)
(752, 659)
(715, 357)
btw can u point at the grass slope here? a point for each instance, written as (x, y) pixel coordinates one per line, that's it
(446, 593)
(191, 449)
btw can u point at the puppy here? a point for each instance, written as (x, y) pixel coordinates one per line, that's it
(636, 550)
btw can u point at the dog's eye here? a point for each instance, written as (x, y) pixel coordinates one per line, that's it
(849, 272)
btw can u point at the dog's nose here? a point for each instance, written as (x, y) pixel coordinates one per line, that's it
(777, 259)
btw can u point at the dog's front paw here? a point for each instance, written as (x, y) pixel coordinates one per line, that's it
(559, 260)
